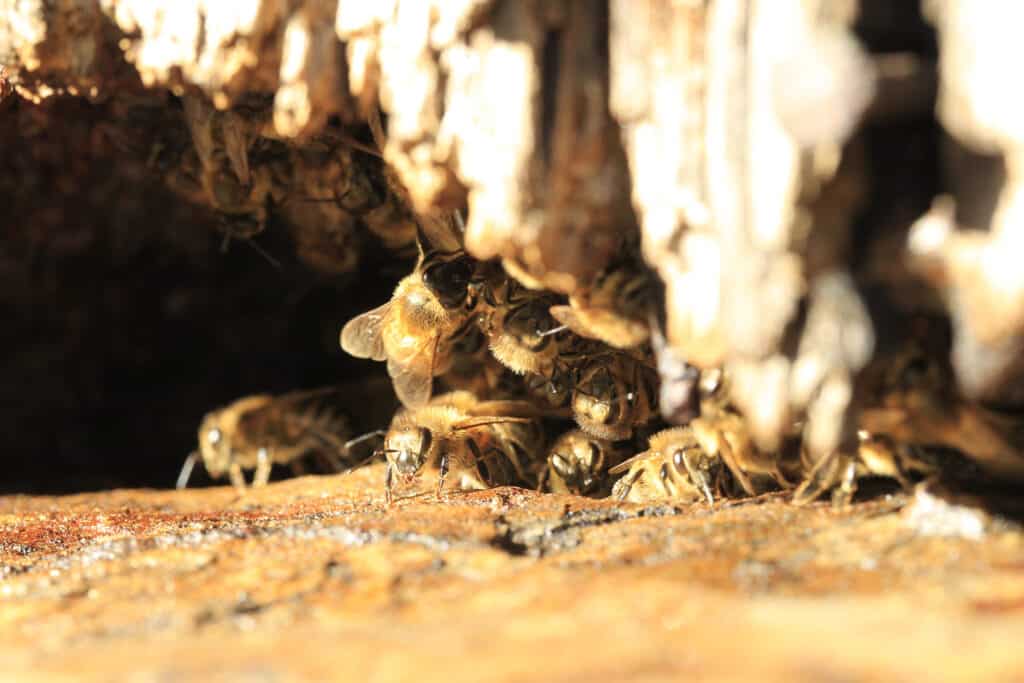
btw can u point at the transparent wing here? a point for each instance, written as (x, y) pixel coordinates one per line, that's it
(474, 422)
(626, 464)
(413, 382)
(361, 336)
(505, 408)
(605, 326)
(567, 316)
(441, 231)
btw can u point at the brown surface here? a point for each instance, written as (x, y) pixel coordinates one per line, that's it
(316, 578)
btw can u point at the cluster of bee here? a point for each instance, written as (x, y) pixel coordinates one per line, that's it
(490, 370)
(329, 191)
(511, 367)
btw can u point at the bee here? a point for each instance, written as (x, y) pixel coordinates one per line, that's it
(477, 444)
(607, 309)
(876, 455)
(257, 431)
(578, 463)
(612, 394)
(475, 370)
(518, 325)
(415, 330)
(911, 405)
(713, 454)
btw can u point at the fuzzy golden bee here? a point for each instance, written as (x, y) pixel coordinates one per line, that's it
(911, 405)
(256, 432)
(518, 323)
(467, 443)
(691, 462)
(614, 393)
(578, 463)
(875, 456)
(414, 331)
(612, 308)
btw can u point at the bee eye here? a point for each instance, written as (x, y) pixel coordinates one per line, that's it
(561, 465)
(595, 452)
(677, 460)
(663, 472)
(213, 436)
(449, 281)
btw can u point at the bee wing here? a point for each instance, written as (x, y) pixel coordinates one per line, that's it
(567, 316)
(361, 337)
(474, 422)
(503, 408)
(612, 329)
(413, 382)
(441, 232)
(302, 395)
(626, 464)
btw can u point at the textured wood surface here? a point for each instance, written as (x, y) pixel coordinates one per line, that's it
(316, 578)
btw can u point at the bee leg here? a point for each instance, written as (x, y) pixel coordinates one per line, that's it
(698, 477)
(724, 450)
(444, 473)
(237, 478)
(627, 485)
(843, 495)
(387, 484)
(186, 470)
(821, 477)
(542, 480)
(263, 465)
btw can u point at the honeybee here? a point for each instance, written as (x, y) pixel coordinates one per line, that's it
(477, 444)
(612, 394)
(912, 404)
(876, 455)
(415, 330)
(475, 370)
(607, 309)
(517, 322)
(690, 462)
(257, 431)
(578, 463)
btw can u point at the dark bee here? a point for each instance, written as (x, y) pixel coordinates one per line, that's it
(578, 463)
(613, 394)
(255, 432)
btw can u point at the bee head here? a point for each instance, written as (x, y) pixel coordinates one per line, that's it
(595, 397)
(449, 280)
(407, 450)
(576, 461)
(214, 446)
(528, 322)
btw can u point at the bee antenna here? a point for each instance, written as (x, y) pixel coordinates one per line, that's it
(186, 470)
(553, 330)
(365, 437)
(362, 147)
(263, 252)
(366, 460)
(225, 243)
